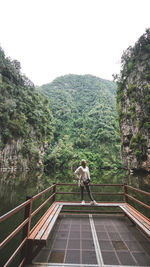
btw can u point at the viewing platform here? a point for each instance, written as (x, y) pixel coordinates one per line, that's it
(66, 233)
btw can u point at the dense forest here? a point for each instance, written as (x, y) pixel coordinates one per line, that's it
(26, 122)
(73, 117)
(84, 111)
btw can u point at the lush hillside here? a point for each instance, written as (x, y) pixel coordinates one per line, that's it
(25, 118)
(84, 109)
(83, 115)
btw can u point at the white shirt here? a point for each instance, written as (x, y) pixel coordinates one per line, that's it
(84, 174)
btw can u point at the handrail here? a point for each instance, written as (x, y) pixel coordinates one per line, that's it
(138, 201)
(138, 190)
(43, 204)
(16, 252)
(8, 238)
(43, 192)
(90, 184)
(95, 193)
(127, 196)
(115, 185)
(13, 211)
(26, 223)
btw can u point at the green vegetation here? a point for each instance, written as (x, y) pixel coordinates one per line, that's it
(138, 144)
(133, 95)
(84, 109)
(131, 58)
(79, 111)
(24, 114)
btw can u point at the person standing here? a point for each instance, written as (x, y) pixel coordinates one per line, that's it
(82, 174)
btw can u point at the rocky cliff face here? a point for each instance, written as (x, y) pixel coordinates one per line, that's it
(26, 122)
(133, 103)
(12, 157)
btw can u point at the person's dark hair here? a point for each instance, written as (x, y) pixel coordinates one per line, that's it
(83, 163)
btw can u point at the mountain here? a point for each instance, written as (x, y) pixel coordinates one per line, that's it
(73, 117)
(84, 110)
(26, 123)
(133, 102)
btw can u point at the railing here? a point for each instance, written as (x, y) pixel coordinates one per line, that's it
(128, 196)
(73, 196)
(25, 226)
(98, 193)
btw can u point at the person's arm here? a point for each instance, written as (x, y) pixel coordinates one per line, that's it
(77, 172)
(89, 174)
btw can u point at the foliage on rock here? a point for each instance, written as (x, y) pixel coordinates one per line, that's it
(23, 112)
(133, 104)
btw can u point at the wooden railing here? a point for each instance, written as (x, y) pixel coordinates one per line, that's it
(97, 193)
(128, 196)
(25, 226)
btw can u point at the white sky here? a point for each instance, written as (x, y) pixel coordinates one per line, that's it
(56, 37)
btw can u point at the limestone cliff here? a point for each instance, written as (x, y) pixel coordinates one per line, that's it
(13, 157)
(26, 122)
(133, 103)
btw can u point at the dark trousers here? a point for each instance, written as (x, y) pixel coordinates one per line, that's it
(88, 190)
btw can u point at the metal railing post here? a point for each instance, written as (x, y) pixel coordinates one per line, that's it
(125, 192)
(26, 229)
(54, 192)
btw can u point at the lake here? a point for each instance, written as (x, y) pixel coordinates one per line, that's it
(14, 187)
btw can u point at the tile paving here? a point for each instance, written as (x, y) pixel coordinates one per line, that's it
(72, 242)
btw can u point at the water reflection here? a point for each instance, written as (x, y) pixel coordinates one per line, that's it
(14, 187)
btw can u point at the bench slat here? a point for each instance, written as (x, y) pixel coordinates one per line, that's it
(50, 227)
(139, 216)
(137, 220)
(38, 226)
(47, 222)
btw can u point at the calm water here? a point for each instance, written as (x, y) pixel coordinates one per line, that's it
(14, 187)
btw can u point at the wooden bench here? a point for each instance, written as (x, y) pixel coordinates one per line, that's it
(40, 232)
(138, 218)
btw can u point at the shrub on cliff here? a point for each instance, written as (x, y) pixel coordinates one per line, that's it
(24, 113)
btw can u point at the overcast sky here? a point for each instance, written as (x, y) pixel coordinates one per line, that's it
(56, 37)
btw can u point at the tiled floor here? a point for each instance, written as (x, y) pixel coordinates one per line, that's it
(119, 241)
